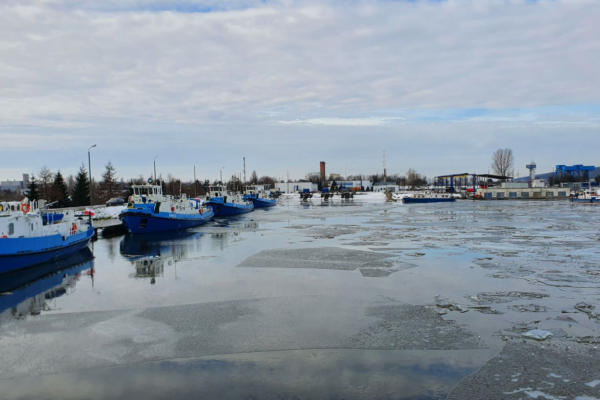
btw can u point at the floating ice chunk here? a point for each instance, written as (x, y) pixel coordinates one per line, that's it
(585, 398)
(537, 334)
(593, 383)
(553, 375)
(519, 390)
(536, 394)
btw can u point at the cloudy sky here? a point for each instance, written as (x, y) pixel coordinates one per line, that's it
(438, 85)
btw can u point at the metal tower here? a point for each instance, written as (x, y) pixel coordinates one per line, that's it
(531, 167)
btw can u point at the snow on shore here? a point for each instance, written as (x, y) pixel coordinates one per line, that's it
(104, 212)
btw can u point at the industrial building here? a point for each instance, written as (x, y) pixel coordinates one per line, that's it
(510, 190)
(19, 187)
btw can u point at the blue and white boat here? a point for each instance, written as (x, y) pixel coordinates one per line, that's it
(31, 236)
(148, 211)
(429, 198)
(224, 203)
(260, 196)
(586, 196)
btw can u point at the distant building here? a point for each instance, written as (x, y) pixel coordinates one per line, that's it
(19, 187)
(295, 187)
(539, 183)
(334, 176)
(383, 186)
(355, 184)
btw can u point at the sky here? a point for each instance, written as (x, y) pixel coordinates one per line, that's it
(437, 85)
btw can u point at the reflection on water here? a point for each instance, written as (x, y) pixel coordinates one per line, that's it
(178, 245)
(299, 374)
(33, 290)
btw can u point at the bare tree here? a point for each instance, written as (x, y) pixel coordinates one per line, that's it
(266, 180)
(503, 162)
(45, 179)
(414, 179)
(254, 178)
(313, 177)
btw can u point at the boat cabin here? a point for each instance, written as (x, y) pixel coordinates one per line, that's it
(146, 194)
(217, 191)
(253, 189)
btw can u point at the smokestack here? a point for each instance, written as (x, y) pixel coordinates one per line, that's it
(322, 172)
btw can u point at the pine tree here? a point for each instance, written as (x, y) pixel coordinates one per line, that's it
(109, 180)
(254, 178)
(33, 193)
(59, 188)
(81, 188)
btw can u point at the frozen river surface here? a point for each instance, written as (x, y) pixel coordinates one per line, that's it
(319, 300)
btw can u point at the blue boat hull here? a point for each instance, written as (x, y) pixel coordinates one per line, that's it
(262, 203)
(595, 200)
(21, 253)
(428, 200)
(144, 221)
(225, 209)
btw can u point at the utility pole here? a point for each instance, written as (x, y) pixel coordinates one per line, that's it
(195, 185)
(384, 171)
(288, 181)
(154, 169)
(244, 169)
(90, 171)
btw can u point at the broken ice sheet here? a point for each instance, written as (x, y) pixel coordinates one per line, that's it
(537, 334)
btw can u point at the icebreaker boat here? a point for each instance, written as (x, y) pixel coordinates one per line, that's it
(31, 236)
(224, 203)
(148, 211)
(260, 196)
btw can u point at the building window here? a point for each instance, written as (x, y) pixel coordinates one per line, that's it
(500, 195)
(487, 195)
(512, 195)
(524, 195)
(549, 194)
(562, 194)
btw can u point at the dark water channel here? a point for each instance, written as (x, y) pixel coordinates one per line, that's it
(341, 300)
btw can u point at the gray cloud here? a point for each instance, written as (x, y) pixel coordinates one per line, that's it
(125, 70)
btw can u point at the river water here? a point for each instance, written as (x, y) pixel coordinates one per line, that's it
(306, 300)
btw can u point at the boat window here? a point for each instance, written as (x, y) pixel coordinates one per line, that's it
(11, 228)
(32, 227)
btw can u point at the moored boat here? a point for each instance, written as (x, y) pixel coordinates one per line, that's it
(586, 196)
(31, 236)
(224, 203)
(429, 198)
(148, 211)
(260, 196)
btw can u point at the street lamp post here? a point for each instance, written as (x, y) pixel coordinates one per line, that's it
(195, 186)
(90, 172)
(154, 169)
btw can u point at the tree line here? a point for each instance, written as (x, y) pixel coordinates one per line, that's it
(74, 190)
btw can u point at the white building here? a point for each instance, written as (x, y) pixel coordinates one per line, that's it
(295, 187)
(383, 186)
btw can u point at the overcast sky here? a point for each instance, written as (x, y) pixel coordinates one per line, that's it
(438, 85)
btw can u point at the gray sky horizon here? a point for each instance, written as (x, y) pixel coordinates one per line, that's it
(437, 85)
